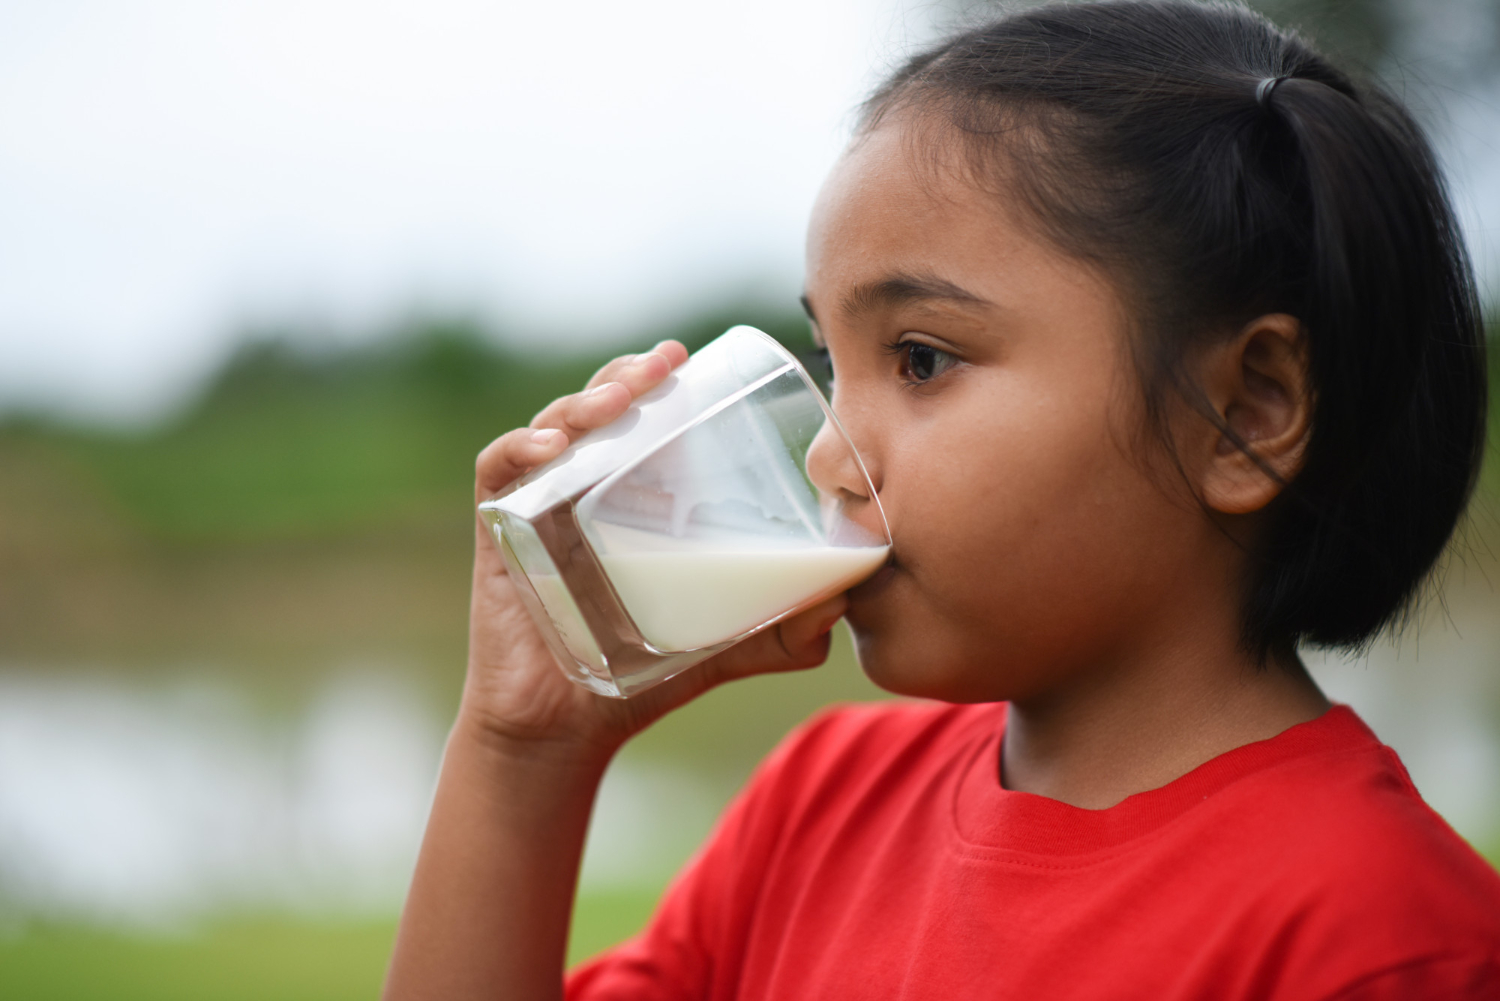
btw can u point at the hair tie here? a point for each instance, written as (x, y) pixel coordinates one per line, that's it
(1265, 88)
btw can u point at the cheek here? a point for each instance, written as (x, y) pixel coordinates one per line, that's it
(1022, 530)
(998, 490)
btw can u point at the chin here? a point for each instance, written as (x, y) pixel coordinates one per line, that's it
(908, 647)
(915, 670)
(927, 659)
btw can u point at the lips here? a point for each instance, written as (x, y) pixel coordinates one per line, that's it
(876, 582)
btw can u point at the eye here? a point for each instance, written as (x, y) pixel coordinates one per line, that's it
(923, 362)
(819, 365)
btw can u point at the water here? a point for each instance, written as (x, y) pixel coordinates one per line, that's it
(152, 802)
(161, 801)
(158, 803)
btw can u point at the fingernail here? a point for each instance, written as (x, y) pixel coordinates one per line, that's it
(544, 436)
(597, 391)
(641, 361)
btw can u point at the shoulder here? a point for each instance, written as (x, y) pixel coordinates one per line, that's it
(1355, 859)
(1368, 831)
(1350, 811)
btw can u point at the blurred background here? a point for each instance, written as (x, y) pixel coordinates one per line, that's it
(271, 273)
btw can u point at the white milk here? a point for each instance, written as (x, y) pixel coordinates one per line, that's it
(687, 599)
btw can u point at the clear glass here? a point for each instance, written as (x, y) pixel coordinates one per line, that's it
(690, 522)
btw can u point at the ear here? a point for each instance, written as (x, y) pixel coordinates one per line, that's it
(1258, 384)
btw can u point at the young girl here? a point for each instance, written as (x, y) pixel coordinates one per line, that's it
(1157, 336)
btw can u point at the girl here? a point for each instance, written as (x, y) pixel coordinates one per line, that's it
(1157, 336)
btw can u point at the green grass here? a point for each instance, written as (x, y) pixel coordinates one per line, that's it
(601, 919)
(281, 959)
(305, 511)
(232, 961)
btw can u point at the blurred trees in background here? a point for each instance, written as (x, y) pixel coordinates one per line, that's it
(313, 498)
(312, 501)
(1444, 42)
(312, 504)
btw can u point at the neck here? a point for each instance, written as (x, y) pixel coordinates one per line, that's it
(1144, 720)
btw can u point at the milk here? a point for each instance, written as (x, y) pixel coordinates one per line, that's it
(691, 521)
(687, 599)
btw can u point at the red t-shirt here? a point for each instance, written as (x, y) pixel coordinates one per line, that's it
(875, 855)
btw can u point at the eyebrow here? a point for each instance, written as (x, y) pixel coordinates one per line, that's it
(901, 289)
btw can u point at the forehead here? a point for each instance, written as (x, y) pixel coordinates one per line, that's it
(892, 178)
(901, 200)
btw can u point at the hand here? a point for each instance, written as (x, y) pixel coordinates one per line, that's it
(514, 692)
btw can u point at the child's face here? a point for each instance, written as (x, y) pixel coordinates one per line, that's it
(983, 376)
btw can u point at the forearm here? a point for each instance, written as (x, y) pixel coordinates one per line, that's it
(487, 914)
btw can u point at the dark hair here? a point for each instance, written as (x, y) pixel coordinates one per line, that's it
(1221, 170)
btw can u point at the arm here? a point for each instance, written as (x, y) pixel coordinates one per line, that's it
(488, 910)
(1468, 975)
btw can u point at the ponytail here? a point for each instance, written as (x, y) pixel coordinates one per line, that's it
(1397, 359)
(1221, 170)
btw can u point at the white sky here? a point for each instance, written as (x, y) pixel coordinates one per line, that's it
(171, 172)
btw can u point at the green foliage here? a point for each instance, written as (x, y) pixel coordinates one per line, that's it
(249, 960)
(253, 960)
(1356, 32)
(601, 919)
(1489, 479)
(289, 443)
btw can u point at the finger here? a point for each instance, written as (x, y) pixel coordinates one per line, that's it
(807, 632)
(796, 643)
(604, 400)
(612, 369)
(673, 351)
(511, 454)
(582, 412)
(799, 642)
(645, 372)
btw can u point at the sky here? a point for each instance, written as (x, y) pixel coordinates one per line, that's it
(173, 174)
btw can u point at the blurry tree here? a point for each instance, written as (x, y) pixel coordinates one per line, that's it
(1358, 32)
(290, 441)
(310, 503)
(1445, 41)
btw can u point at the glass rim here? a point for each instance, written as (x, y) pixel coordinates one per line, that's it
(791, 363)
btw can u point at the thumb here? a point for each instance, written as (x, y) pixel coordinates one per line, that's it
(794, 644)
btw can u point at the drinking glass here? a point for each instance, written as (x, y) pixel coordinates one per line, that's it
(690, 522)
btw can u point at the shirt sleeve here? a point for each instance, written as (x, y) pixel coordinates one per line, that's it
(671, 958)
(679, 953)
(1472, 977)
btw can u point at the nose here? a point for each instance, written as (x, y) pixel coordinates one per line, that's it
(834, 469)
